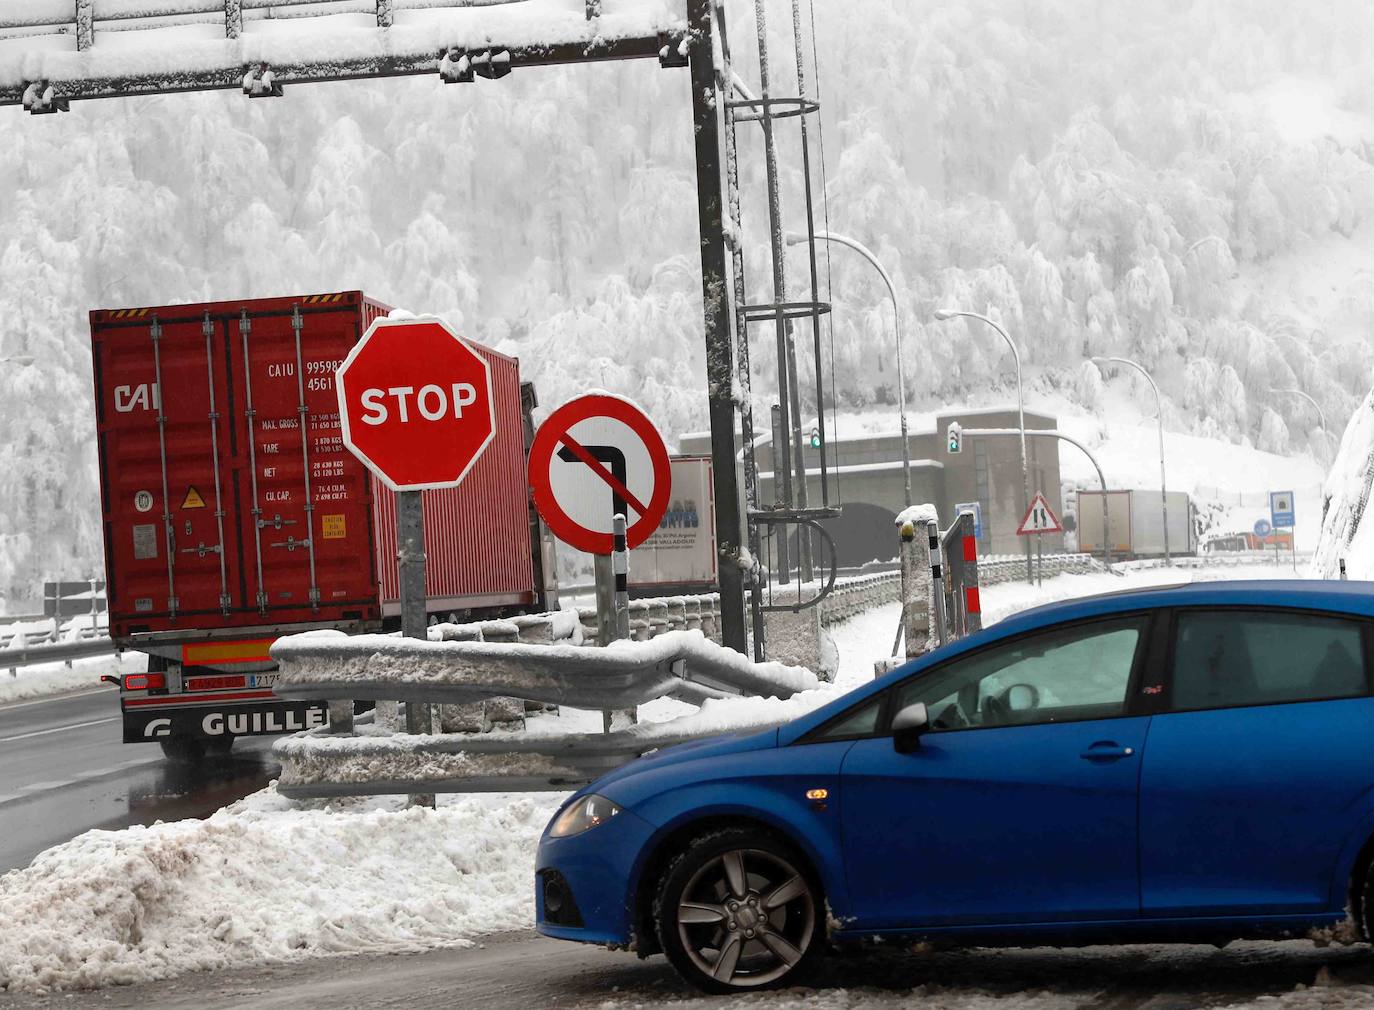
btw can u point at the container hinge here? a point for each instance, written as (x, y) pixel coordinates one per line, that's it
(173, 605)
(225, 601)
(315, 598)
(207, 327)
(245, 324)
(262, 601)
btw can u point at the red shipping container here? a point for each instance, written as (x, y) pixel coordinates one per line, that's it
(230, 503)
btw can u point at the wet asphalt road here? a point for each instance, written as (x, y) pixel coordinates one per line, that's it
(524, 972)
(63, 771)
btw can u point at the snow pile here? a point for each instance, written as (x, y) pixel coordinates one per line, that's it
(268, 880)
(919, 515)
(45, 679)
(1344, 534)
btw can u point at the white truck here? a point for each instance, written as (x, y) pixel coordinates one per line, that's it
(1136, 523)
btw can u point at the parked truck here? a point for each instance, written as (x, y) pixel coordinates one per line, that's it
(1136, 523)
(234, 514)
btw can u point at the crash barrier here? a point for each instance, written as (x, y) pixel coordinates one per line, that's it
(1217, 561)
(681, 664)
(652, 617)
(20, 652)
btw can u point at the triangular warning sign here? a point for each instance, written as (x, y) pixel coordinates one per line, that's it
(193, 500)
(1039, 518)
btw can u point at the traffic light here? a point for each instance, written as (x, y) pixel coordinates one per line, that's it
(955, 438)
(815, 438)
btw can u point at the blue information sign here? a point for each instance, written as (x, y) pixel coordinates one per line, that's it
(1262, 528)
(977, 509)
(1281, 509)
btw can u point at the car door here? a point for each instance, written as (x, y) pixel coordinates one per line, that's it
(1254, 771)
(1020, 803)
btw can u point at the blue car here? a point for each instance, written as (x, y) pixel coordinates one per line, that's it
(1191, 764)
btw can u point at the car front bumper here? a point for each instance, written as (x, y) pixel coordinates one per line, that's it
(584, 886)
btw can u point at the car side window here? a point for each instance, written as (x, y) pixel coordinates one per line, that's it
(1079, 672)
(859, 721)
(1226, 659)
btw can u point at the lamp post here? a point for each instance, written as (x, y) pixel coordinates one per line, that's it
(946, 314)
(1159, 418)
(825, 236)
(1321, 414)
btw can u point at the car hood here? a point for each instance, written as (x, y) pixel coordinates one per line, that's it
(735, 743)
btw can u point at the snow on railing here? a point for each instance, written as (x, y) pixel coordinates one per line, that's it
(681, 664)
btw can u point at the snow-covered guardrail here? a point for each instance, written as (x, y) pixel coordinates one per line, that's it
(679, 664)
(20, 653)
(682, 664)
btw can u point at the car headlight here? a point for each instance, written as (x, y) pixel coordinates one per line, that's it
(585, 814)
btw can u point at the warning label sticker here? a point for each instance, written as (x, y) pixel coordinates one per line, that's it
(193, 500)
(145, 542)
(333, 527)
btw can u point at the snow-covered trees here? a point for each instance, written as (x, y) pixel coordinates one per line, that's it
(1105, 179)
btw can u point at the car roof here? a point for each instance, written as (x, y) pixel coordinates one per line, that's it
(1353, 597)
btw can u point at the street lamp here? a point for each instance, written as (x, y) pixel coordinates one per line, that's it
(1321, 414)
(825, 236)
(1159, 418)
(947, 314)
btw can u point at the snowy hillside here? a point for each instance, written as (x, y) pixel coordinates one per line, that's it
(1064, 165)
(1347, 532)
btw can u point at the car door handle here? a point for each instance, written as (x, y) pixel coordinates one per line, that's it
(1107, 750)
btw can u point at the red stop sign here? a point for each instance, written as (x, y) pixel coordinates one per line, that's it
(415, 403)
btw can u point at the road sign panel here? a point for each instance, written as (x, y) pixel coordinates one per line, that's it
(1263, 528)
(977, 509)
(415, 403)
(1039, 518)
(595, 456)
(1281, 509)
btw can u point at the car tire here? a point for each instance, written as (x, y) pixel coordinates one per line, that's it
(740, 910)
(183, 749)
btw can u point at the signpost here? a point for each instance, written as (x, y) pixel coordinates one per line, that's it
(602, 480)
(416, 406)
(599, 456)
(977, 509)
(1281, 510)
(1039, 520)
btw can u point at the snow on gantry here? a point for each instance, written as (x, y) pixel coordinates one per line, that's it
(187, 41)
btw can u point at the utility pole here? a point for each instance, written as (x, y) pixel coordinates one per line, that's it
(729, 517)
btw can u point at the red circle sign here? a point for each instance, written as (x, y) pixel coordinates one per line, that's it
(595, 455)
(415, 403)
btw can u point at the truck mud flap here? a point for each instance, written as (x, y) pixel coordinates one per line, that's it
(213, 722)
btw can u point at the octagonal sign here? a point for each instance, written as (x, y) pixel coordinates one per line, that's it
(415, 403)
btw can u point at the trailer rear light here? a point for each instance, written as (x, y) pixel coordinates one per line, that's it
(145, 682)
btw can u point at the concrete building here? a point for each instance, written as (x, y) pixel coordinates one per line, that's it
(867, 480)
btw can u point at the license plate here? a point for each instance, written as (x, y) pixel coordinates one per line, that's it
(262, 680)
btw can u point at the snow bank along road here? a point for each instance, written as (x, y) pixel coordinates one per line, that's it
(63, 770)
(517, 971)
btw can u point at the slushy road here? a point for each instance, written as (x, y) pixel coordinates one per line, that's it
(520, 971)
(63, 771)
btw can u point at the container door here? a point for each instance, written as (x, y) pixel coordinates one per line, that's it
(306, 507)
(162, 437)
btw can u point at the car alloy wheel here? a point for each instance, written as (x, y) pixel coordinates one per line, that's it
(746, 918)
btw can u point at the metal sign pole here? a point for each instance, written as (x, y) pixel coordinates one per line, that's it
(410, 536)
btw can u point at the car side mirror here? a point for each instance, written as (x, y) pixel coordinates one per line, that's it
(908, 726)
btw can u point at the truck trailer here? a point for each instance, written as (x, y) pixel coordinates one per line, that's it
(1137, 523)
(233, 514)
